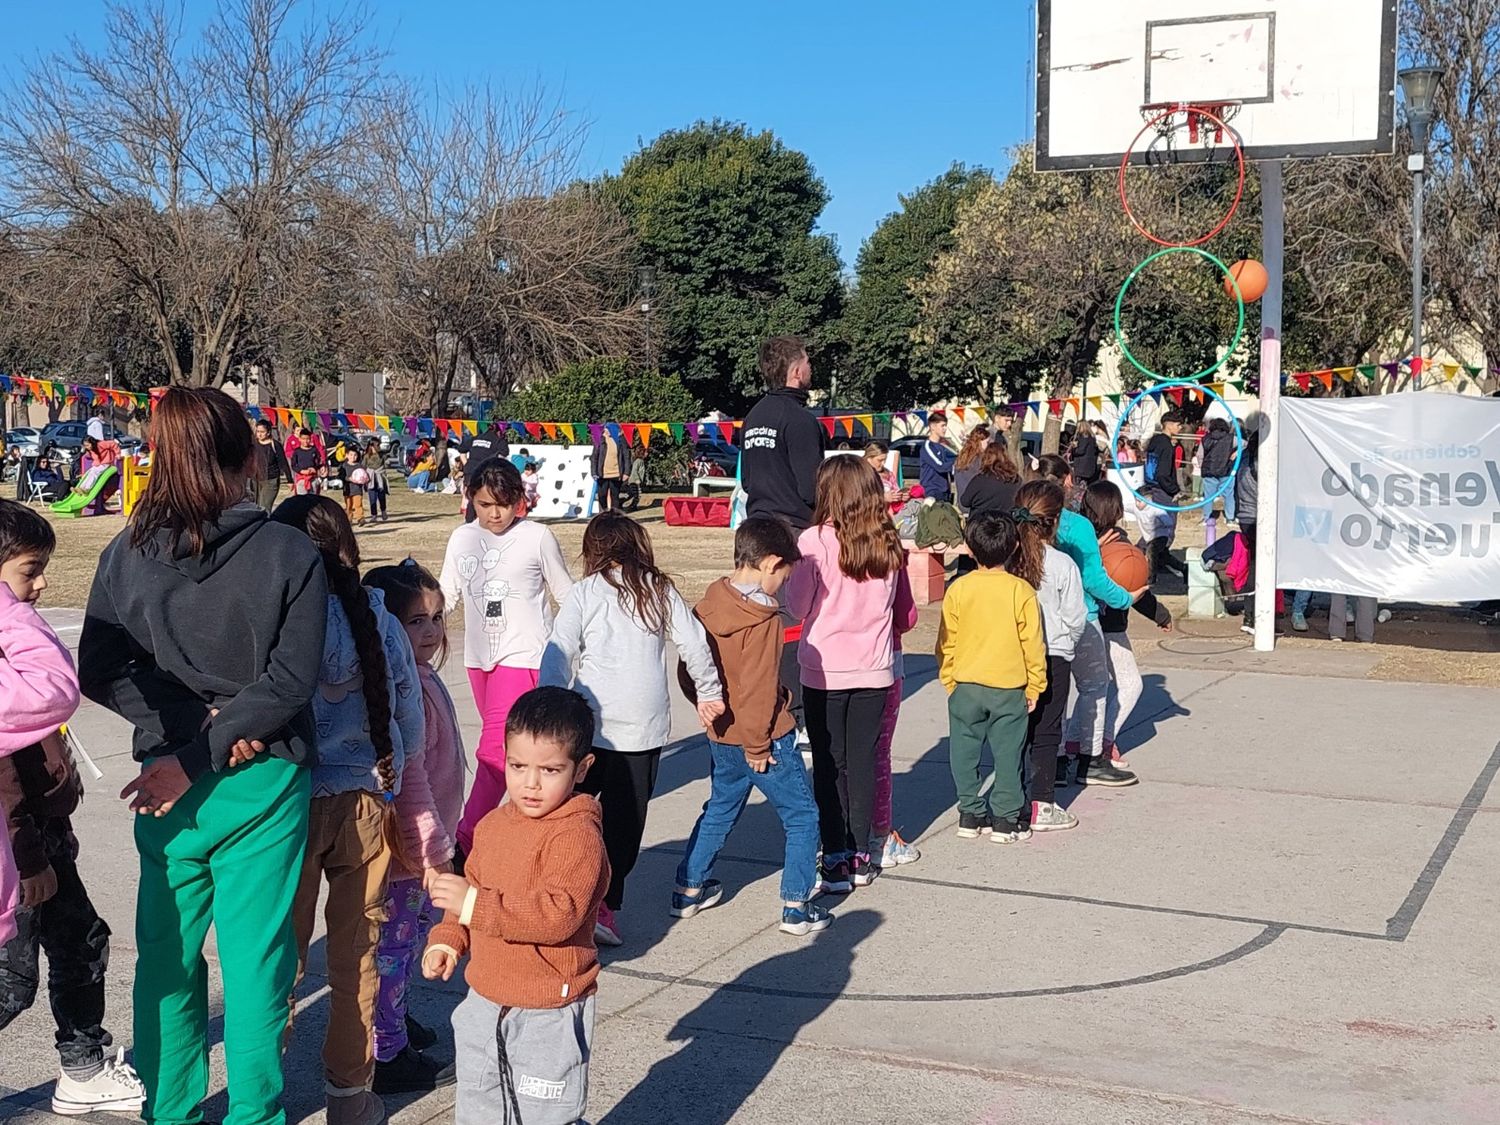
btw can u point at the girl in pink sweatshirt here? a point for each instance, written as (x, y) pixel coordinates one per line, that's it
(432, 785)
(38, 693)
(851, 592)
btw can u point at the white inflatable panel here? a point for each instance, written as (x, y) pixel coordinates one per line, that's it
(565, 482)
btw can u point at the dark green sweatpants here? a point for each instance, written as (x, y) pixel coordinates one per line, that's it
(976, 715)
(229, 854)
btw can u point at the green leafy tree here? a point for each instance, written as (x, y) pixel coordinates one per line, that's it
(726, 216)
(888, 367)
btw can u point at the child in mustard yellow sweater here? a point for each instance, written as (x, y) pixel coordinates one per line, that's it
(992, 659)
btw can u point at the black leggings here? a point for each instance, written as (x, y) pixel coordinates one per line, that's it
(843, 727)
(623, 783)
(1044, 733)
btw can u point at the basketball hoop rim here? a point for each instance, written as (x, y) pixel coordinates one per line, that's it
(1221, 125)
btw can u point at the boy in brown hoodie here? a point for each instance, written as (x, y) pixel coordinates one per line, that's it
(754, 742)
(524, 908)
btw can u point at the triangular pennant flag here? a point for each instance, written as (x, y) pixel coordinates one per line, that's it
(1302, 380)
(1054, 406)
(643, 431)
(693, 430)
(1416, 365)
(1473, 369)
(726, 431)
(596, 432)
(1344, 373)
(1097, 402)
(625, 430)
(1073, 402)
(980, 412)
(868, 422)
(827, 425)
(848, 424)
(1175, 394)
(533, 430)
(678, 430)
(1391, 369)
(958, 412)
(1326, 378)
(1450, 371)
(551, 430)
(442, 426)
(661, 427)
(1366, 370)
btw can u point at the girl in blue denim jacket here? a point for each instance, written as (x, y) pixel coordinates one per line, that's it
(368, 714)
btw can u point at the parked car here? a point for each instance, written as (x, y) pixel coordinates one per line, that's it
(68, 436)
(24, 439)
(716, 453)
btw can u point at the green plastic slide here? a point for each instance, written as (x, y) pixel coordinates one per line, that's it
(87, 491)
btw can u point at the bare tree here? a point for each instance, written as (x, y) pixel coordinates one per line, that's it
(184, 163)
(488, 260)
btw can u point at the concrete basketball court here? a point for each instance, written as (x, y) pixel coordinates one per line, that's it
(1292, 919)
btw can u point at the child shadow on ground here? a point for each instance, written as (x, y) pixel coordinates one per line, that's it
(715, 1073)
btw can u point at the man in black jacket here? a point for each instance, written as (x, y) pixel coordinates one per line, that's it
(1161, 487)
(782, 442)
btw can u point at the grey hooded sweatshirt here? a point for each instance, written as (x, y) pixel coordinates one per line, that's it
(169, 636)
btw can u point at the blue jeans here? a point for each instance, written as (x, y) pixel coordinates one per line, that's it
(785, 786)
(417, 482)
(1211, 485)
(1301, 601)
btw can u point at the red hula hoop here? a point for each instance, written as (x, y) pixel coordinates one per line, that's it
(1239, 192)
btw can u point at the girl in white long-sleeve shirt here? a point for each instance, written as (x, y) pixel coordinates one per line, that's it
(609, 643)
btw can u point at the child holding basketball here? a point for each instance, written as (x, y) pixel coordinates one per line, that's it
(852, 594)
(1123, 562)
(504, 569)
(992, 660)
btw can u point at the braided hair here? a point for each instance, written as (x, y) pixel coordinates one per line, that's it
(324, 522)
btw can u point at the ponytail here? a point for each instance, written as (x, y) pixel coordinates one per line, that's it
(1039, 505)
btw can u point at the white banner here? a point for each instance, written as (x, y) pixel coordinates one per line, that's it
(1396, 496)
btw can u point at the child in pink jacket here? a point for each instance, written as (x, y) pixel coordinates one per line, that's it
(852, 594)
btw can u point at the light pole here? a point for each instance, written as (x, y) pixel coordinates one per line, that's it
(1419, 86)
(646, 276)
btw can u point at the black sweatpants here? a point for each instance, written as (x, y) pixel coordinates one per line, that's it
(76, 941)
(1044, 728)
(843, 727)
(791, 678)
(623, 783)
(608, 499)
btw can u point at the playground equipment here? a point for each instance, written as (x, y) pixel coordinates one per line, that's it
(90, 488)
(136, 472)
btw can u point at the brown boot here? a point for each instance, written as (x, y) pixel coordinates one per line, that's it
(358, 1108)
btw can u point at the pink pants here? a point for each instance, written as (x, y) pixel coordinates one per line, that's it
(495, 692)
(880, 819)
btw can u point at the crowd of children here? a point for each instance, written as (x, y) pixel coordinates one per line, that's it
(325, 744)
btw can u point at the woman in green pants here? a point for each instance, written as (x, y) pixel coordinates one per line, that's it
(205, 630)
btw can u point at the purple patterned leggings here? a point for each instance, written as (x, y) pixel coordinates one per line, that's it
(401, 940)
(880, 820)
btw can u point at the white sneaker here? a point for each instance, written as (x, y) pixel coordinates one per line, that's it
(896, 852)
(116, 1087)
(1048, 817)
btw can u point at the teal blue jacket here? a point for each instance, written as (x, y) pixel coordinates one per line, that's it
(1076, 539)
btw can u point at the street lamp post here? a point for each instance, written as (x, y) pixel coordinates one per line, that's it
(1419, 86)
(646, 276)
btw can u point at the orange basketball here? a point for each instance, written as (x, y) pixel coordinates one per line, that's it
(1252, 278)
(1125, 563)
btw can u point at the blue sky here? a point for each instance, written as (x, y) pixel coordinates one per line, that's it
(882, 96)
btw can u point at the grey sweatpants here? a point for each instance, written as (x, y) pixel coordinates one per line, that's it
(545, 1052)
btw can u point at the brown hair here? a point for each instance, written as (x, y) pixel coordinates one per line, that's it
(323, 520)
(1053, 467)
(503, 481)
(996, 462)
(851, 500)
(777, 354)
(1039, 506)
(973, 447)
(612, 542)
(198, 437)
(1102, 506)
(402, 585)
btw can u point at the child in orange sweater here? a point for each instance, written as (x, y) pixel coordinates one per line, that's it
(525, 908)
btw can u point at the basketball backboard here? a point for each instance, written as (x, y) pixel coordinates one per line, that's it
(1313, 77)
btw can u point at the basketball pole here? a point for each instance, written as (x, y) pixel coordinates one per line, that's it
(1273, 239)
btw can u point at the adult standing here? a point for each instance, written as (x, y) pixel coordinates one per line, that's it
(1161, 488)
(992, 491)
(781, 450)
(938, 459)
(1084, 456)
(610, 465)
(782, 442)
(1218, 458)
(270, 467)
(224, 732)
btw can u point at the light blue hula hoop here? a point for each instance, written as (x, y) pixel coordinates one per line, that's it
(1234, 469)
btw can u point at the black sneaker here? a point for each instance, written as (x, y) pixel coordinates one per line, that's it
(412, 1072)
(972, 825)
(836, 878)
(419, 1035)
(1100, 771)
(862, 871)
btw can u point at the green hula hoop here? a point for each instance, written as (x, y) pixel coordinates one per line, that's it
(1239, 329)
